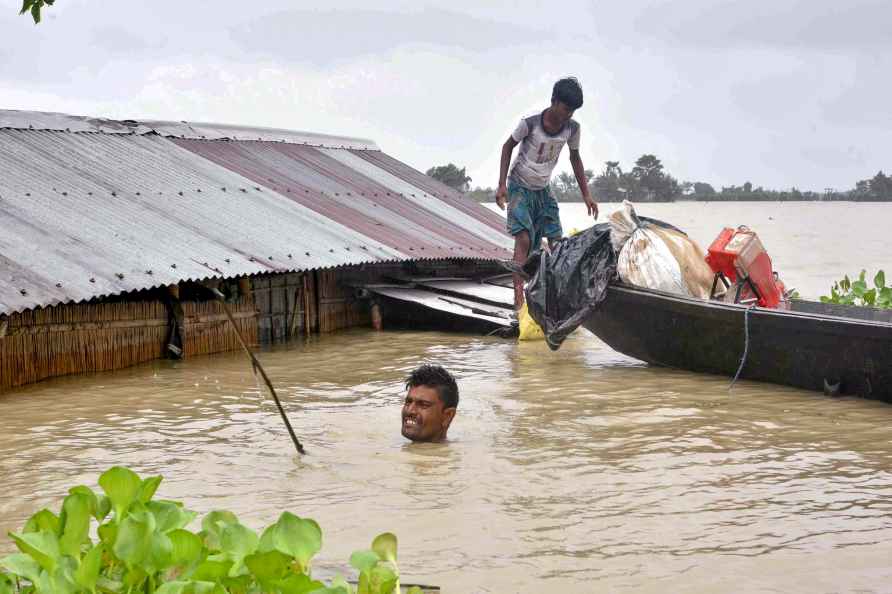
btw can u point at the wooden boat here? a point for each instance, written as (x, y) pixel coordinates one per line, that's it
(816, 346)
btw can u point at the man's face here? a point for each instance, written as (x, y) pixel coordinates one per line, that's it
(424, 417)
(561, 112)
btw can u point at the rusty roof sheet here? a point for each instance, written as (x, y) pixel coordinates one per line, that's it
(329, 182)
(122, 208)
(433, 187)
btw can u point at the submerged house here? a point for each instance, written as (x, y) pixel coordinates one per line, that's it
(112, 231)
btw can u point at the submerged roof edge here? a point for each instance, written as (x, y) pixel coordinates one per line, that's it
(59, 122)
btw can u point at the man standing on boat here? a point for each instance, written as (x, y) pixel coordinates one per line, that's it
(430, 404)
(532, 211)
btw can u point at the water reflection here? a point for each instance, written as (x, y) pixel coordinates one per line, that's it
(582, 468)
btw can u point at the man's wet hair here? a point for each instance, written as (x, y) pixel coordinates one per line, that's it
(568, 92)
(434, 376)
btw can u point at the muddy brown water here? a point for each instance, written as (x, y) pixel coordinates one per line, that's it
(575, 471)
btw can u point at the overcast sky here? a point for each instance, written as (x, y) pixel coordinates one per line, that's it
(781, 93)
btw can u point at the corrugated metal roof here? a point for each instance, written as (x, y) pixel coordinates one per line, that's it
(90, 215)
(85, 215)
(37, 120)
(397, 214)
(437, 207)
(433, 187)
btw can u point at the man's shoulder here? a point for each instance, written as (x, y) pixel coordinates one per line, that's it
(531, 119)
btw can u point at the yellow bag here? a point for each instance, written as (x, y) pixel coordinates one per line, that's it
(529, 329)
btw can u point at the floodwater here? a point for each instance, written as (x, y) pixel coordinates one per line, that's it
(576, 471)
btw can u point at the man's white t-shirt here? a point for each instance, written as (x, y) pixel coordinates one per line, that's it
(539, 151)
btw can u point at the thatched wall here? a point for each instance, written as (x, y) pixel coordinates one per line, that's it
(84, 337)
(87, 337)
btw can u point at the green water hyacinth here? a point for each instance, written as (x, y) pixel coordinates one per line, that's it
(142, 545)
(858, 292)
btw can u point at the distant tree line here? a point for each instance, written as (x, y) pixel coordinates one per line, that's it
(648, 181)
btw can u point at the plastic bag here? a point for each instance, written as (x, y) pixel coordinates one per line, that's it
(529, 329)
(568, 283)
(658, 258)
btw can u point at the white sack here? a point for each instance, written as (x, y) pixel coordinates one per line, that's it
(658, 258)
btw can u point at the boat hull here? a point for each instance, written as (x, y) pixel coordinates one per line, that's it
(798, 349)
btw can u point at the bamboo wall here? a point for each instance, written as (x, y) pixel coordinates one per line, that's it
(87, 337)
(338, 308)
(207, 329)
(65, 339)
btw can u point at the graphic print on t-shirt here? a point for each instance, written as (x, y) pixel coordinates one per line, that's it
(539, 151)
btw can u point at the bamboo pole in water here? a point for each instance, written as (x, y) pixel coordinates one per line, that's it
(259, 368)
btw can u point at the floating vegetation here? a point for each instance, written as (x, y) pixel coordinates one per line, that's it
(848, 292)
(142, 545)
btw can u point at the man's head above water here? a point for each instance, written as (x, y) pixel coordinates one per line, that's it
(430, 405)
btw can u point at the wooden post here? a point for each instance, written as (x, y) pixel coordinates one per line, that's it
(377, 318)
(244, 286)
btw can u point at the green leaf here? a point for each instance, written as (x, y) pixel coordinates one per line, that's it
(42, 546)
(879, 281)
(35, 12)
(169, 515)
(7, 586)
(859, 287)
(87, 492)
(57, 582)
(862, 275)
(76, 530)
(134, 539)
(238, 541)
(147, 488)
(212, 570)
(414, 590)
(299, 583)
(870, 296)
(331, 590)
(268, 567)
(385, 546)
(88, 572)
(189, 587)
(213, 524)
(108, 534)
(103, 507)
(160, 553)
(846, 284)
(43, 520)
(109, 585)
(187, 547)
(135, 577)
(364, 560)
(382, 580)
(26, 6)
(175, 587)
(21, 565)
(121, 485)
(301, 538)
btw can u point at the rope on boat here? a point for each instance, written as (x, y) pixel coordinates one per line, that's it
(257, 367)
(746, 344)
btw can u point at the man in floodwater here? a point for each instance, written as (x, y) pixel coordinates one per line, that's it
(430, 405)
